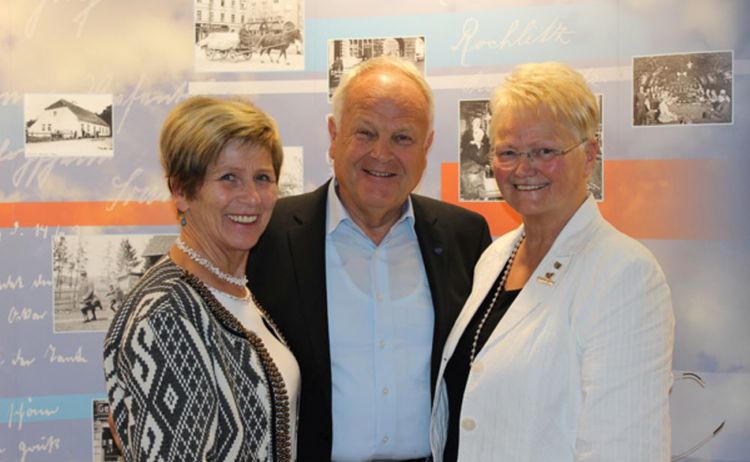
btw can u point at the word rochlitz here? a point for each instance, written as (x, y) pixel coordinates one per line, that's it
(532, 33)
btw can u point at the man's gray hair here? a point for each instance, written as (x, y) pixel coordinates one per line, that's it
(402, 65)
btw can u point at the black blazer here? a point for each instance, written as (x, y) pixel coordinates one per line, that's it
(286, 272)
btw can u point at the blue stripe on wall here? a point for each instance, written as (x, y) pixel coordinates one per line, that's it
(27, 410)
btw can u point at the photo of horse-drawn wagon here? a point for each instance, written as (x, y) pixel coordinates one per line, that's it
(272, 47)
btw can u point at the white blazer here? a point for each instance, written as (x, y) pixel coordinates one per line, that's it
(580, 366)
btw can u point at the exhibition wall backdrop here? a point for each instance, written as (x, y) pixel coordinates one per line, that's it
(86, 84)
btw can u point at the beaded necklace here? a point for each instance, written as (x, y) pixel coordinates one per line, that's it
(202, 261)
(500, 286)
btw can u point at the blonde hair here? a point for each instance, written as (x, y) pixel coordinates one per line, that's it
(401, 65)
(197, 130)
(553, 86)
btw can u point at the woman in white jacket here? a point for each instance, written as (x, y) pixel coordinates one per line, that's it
(563, 350)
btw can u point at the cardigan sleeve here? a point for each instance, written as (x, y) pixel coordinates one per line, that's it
(625, 344)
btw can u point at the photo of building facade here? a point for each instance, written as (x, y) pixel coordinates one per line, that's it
(65, 120)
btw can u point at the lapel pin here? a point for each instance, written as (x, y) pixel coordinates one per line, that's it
(438, 250)
(546, 279)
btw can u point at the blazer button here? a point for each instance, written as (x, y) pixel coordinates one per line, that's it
(468, 424)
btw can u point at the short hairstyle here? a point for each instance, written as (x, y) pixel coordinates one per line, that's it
(382, 62)
(553, 86)
(197, 130)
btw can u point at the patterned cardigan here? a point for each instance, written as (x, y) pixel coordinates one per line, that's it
(186, 381)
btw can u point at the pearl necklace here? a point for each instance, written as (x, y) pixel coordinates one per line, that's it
(199, 259)
(499, 289)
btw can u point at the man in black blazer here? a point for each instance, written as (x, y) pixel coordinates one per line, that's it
(380, 134)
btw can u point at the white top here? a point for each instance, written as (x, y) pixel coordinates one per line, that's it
(251, 318)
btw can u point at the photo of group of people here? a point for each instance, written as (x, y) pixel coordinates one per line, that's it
(679, 89)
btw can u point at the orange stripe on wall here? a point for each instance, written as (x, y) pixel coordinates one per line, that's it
(30, 214)
(646, 199)
(6, 215)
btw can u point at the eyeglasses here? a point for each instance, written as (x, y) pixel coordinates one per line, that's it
(508, 158)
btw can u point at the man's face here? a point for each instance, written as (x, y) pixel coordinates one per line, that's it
(380, 149)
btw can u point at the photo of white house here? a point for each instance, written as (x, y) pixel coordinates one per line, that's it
(68, 125)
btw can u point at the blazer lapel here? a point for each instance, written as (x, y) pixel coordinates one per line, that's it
(541, 287)
(431, 248)
(549, 277)
(307, 244)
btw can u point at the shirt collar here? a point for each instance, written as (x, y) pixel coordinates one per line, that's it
(337, 213)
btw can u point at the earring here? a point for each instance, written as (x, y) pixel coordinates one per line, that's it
(183, 220)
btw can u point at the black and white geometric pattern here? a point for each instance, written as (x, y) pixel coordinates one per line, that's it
(184, 384)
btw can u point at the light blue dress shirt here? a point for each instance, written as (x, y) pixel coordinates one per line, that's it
(380, 322)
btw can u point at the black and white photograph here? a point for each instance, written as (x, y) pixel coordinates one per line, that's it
(680, 89)
(245, 36)
(596, 182)
(68, 125)
(347, 53)
(91, 274)
(476, 178)
(291, 178)
(104, 448)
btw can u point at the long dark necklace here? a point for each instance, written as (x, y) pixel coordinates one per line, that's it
(500, 286)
